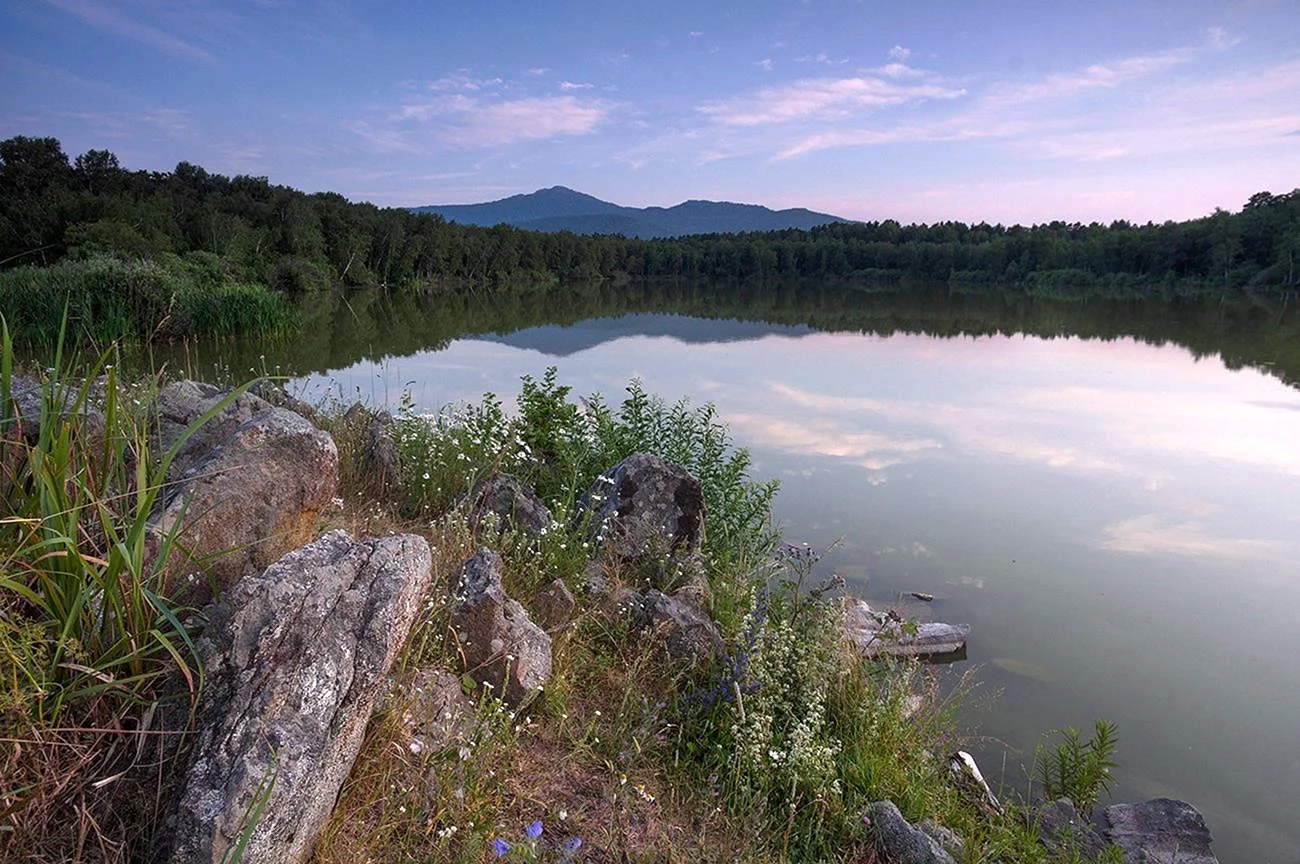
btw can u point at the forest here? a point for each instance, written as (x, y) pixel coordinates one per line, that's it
(216, 230)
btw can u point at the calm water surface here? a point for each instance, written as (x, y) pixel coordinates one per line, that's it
(1117, 520)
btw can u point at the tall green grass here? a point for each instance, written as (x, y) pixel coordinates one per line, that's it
(108, 299)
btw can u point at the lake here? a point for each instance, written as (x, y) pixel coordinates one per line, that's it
(1106, 490)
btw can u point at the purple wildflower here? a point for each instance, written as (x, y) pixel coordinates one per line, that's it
(534, 830)
(500, 847)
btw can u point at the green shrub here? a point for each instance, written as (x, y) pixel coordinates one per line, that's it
(1078, 769)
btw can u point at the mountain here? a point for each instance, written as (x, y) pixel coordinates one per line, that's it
(563, 209)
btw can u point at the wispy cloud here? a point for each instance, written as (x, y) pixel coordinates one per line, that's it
(461, 111)
(575, 85)
(821, 99)
(1058, 116)
(899, 53)
(110, 20)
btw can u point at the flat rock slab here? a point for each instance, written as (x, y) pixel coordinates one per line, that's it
(874, 634)
(295, 659)
(1160, 831)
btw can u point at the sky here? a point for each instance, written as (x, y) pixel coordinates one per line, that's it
(1005, 111)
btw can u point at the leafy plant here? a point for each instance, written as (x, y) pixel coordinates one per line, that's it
(1078, 769)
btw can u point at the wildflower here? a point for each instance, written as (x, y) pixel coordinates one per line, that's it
(500, 847)
(573, 844)
(534, 830)
(564, 814)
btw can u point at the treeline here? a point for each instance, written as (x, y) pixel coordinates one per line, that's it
(252, 231)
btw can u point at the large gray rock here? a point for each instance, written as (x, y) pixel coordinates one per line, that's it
(1061, 828)
(689, 635)
(503, 649)
(900, 841)
(181, 404)
(1160, 831)
(877, 634)
(646, 506)
(295, 659)
(241, 506)
(514, 504)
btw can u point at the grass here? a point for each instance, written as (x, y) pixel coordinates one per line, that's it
(771, 754)
(105, 299)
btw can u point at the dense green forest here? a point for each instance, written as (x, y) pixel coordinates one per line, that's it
(215, 232)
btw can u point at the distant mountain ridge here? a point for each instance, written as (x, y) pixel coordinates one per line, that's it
(562, 209)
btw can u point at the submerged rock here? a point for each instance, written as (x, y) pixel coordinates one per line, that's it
(876, 634)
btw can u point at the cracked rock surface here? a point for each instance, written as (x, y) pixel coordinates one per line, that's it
(294, 659)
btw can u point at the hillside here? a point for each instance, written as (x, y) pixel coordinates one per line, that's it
(563, 209)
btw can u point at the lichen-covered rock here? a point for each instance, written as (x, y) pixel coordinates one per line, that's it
(503, 648)
(554, 605)
(1160, 831)
(294, 660)
(689, 635)
(244, 504)
(646, 506)
(901, 842)
(181, 404)
(514, 504)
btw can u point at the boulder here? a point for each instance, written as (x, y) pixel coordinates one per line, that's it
(689, 635)
(1160, 831)
(514, 504)
(503, 649)
(900, 841)
(181, 404)
(946, 838)
(554, 605)
(1061, 828)
(294, 660)
(379, 457)
(241, 506)
(646, 506)
(877, 634)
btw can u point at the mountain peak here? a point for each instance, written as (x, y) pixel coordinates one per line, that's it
(559, 208)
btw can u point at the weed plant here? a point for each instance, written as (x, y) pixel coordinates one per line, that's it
(1078, 769)
(87, 631)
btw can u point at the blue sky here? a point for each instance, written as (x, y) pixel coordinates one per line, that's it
(997, 110)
